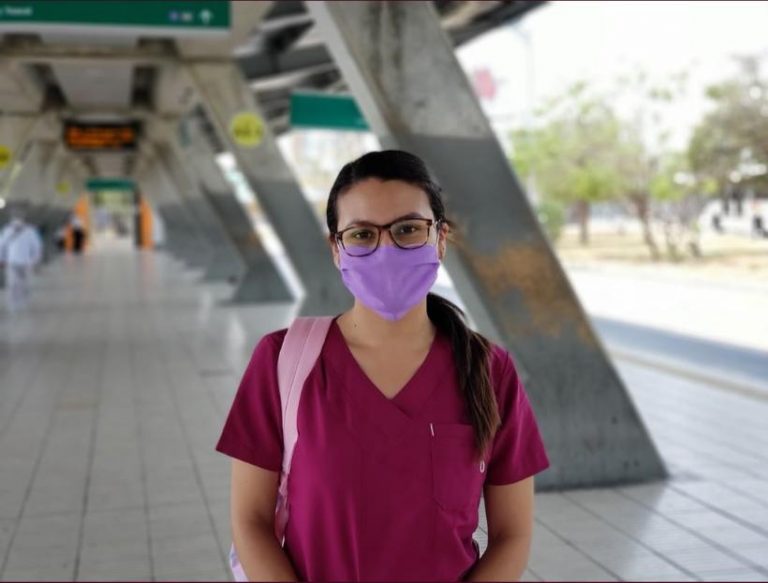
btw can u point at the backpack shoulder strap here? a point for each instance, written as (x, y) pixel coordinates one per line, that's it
(298, 355)
(301, 348)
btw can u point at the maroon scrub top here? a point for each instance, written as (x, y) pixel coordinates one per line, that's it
(381, 489)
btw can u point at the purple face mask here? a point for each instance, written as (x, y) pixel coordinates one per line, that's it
(391, 280)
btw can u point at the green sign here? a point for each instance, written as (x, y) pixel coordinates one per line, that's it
(326, 110)
(211, 15)
(96, 184)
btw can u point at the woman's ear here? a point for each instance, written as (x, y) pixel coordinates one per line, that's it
(334, 250)
(442, 241)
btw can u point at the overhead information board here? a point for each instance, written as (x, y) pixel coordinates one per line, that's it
(137, 16)
(123, 184)
(326, 110)
(101, 137)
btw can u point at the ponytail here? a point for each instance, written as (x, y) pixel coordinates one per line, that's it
(471, 354)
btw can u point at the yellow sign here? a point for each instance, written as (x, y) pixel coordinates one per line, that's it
(247, 129)
(5, 156)
(63, 187)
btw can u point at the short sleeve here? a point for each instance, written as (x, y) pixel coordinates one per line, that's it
(518, 451)
(253, 431)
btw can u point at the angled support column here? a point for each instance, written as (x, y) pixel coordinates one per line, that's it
(505, 268)
(225, 94)
(181, 228)
(261, 281)
(16, 135)
(224, 263)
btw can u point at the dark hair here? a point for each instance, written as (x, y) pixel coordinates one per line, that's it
(471, 350)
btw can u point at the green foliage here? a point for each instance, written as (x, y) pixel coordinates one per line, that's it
(551, 215)
(570, 153)
(729, 147)
(581, 151)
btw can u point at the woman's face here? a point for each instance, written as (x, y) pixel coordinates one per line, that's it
(381, 202)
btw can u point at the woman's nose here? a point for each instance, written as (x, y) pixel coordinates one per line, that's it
(386, 238)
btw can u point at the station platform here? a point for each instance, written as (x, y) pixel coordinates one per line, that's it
(114, 386)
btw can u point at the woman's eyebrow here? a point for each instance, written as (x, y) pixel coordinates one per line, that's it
(404, 217)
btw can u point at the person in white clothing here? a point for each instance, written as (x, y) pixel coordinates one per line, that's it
(20, 250)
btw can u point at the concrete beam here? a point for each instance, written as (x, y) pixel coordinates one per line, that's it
(261, 281)
(506, 271)
(181, 227)
(224, 263)
(225, 93)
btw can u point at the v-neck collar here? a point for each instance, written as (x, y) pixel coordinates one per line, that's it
(395, 415)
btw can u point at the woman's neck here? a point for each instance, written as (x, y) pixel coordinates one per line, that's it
(365, 328)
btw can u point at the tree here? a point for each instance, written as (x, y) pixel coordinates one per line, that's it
(729, 147)
(680, 199)
(569, 153)
(645, 156)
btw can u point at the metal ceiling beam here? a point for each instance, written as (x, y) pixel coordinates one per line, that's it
(269, 64)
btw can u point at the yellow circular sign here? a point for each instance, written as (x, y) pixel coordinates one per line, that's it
(63, 187)
(247, 129)
(5, 156)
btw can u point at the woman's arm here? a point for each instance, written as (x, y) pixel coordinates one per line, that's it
(509, 510)
(252, 508)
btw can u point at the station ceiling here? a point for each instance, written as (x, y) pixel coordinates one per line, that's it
(283, 53)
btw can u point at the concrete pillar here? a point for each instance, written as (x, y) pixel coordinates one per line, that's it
(64, 177)
(507, 273)
(183, 234)
(261, 281)
(16, 133)
(225, 94)
(224, 263)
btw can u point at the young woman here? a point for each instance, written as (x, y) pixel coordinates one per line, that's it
(406, 419)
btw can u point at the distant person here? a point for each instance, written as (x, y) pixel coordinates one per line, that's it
(758, 224)
(407, 415)
(21, 250)
(60, 238)
(78, 233)
(717, 224)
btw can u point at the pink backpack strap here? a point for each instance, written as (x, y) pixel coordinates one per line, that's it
(301, 348)
(298, 355)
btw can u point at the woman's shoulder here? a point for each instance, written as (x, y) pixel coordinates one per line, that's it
(501, 360)
(504, 374)
(268, 347)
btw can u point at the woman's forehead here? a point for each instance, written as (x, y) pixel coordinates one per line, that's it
(381, 201)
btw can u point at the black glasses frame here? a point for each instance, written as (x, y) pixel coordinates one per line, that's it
(339, 234)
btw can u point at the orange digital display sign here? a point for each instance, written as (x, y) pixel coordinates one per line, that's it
(81, 136)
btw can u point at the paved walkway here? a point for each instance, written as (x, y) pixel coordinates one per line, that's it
(115, 385)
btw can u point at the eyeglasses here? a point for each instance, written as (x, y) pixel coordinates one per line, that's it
(364, 239)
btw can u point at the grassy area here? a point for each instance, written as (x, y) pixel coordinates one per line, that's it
(724, 255)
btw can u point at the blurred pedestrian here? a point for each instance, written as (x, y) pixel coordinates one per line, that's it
(20, 251)
(78, 233)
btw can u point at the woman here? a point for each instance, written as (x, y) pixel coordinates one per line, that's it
(406, 419)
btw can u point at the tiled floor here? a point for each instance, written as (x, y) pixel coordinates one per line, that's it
(114, 386)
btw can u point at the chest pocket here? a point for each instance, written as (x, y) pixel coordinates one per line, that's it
(457, 472)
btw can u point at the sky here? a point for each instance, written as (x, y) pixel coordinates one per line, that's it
(563, 42)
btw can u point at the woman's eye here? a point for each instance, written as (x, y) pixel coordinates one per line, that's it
(362, 235)
(408, 229)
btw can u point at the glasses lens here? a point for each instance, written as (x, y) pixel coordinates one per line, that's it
(360, 240)
(410, 233)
